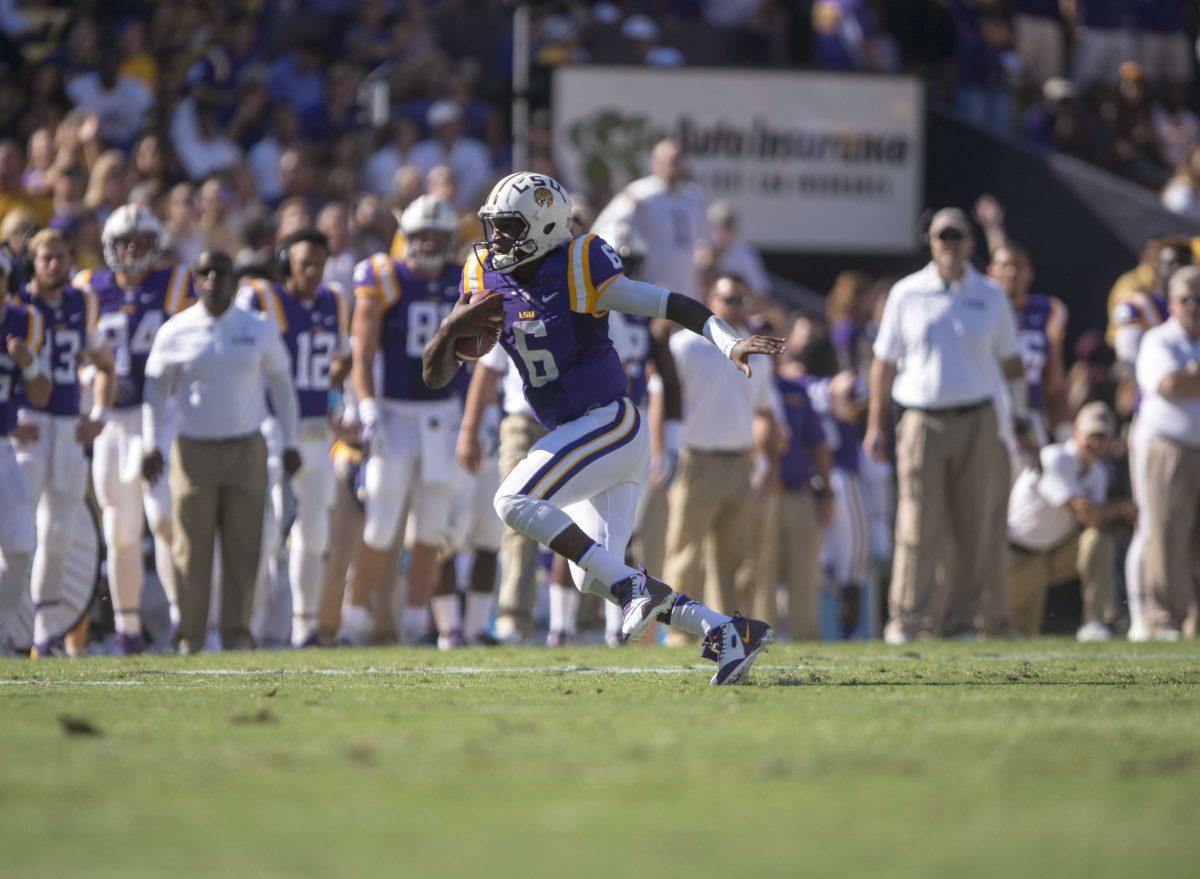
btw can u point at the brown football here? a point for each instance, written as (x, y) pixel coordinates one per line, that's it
(469, 348)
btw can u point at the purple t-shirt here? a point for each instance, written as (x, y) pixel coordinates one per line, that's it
(842, 437)
(805, 431)
(67, 327)
(313, 332)
(20, 322)
(553, 331)
(1040, 320)
(414, 307)
(129, 320)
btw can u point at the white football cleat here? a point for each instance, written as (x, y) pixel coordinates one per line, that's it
(734, 646)
(641, 598)
(1092, 632)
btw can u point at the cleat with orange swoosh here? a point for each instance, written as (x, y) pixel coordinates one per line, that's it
(734, 646)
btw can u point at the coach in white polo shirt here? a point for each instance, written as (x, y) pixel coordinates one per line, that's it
(726, 420)
(1168, 375)
(1056, 521)
(946, 334)
(214, 360)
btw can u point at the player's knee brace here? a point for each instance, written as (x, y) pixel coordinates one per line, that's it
(529, 516)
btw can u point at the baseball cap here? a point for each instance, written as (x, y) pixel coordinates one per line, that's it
(442, 112)
(1096, 418)
(949, 218)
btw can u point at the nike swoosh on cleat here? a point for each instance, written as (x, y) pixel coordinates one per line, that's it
(551, 296)
(746, 634)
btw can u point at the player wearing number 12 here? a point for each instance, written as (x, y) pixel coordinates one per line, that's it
(577, 490)
(135, 297)
(408, 428)
(314, 323)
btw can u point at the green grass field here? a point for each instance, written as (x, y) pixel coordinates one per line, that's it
(996, 759)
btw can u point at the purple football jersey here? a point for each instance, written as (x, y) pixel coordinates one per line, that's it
(129, 320)
(1042, 319)
(20, 322)
(842, 437)
(634, 351)
(413, 309)
(805, 431)
(553, 331)
(68, 325)
(313, 331)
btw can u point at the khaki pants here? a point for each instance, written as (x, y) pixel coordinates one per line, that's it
(758, 578)
(518, 553)
(217, 486)
(993, 610)
(799, 545)
(1171, 565)
(1089, 555)
(944, 466)
(708, 502)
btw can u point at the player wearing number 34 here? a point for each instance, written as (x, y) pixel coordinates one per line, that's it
(577, 490)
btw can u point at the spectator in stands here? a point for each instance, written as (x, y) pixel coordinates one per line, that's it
(945, 331)
(379, 173)
(642, 44)
(670, 213)
(468, 157)
(730, 254)
(218, 463)
(1176, 127)
(1105, 36)
(1039, 39)
(39, 161)
(151, 160)
(1057, 122)
(199, 142)
(983, 53)
(1057, 516)
(298, 78)
(847, 37)
(120, 100)
(1164, 49)
(108, 185)
(848, 311)
(1091, 376)
(333, 221)
(13, 193)
(219, 227)
(179, 223)
(1181, 195)
(1168, 372)
(726, 425)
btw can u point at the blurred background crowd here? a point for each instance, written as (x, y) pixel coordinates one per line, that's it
(239, 123)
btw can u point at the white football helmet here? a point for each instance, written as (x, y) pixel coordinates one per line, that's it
(525, 217)
(122, 224)
(428, 213)
(630, 246)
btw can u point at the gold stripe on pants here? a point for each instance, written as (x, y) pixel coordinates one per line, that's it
(1089, 555)
(518, 553)
(217, 486)
(1171, 489)
(707, 509)
(944, 464)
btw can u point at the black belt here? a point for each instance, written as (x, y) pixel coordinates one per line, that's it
(951, 410)
(724, 452)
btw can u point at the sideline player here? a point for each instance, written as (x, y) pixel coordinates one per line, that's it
(134, 299)
(314, 324)
(410, 432)
(577, 490)
(53, 436)
(21, 378)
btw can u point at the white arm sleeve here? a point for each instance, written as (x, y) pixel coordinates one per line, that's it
(633, 297)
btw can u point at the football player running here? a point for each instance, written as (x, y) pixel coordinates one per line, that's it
(52, 437)
(135, 297)
(314, 323)
(577, 490)
(21, 377)
(408, 428)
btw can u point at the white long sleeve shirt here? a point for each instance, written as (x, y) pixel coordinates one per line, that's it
(719, 402)
(1167, 349)
(215, 369)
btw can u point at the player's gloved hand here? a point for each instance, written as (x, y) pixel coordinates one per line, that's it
(152, 466)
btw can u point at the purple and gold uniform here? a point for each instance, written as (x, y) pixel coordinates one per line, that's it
(1040, 322)
(314, 333)
(631, 337)
(804, 429)
(20, 322)
(1142, 310)
(554, 333)
(129, 320)
(70, 327)
(413, 309)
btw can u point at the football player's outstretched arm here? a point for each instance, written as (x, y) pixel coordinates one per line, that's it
(635, 297)
(467, 319)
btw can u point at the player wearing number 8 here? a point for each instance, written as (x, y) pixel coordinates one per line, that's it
(408, 428)
(314, 323)
(135, 297)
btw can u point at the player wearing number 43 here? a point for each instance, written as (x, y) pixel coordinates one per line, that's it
(314, 323)
(577, 490)
(135, 297)
(408, 428)
(51, 438)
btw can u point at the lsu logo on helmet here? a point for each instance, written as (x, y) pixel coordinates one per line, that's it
(543, 197)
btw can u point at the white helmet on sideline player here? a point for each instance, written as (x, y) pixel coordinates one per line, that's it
(126, 224)
(525, 217)
(630, 246)
(428, 214)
